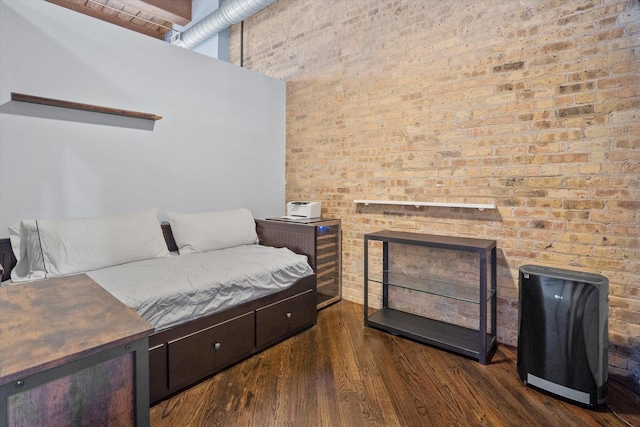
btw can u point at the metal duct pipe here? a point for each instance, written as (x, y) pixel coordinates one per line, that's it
(231, 12)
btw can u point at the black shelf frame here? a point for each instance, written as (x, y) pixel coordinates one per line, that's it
(477, 344)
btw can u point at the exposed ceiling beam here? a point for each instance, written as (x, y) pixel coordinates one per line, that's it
(143, 16)
(176, 11)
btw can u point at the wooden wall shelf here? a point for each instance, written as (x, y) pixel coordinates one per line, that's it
(85, 107)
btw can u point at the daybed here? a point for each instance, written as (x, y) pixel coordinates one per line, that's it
(239, 311)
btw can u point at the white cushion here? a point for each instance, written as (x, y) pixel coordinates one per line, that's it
(209, 231)
(51, 248)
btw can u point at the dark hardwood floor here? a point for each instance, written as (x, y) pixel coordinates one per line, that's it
(340, 373)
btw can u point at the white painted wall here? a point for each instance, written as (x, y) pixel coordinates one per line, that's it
(220, 144)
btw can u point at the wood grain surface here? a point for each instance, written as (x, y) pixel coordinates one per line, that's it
(340, 373)
(80, 106)
(47, 323)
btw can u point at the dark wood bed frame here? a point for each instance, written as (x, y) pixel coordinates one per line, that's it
(188, 353)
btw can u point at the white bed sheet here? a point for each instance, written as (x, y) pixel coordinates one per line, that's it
(175, 289)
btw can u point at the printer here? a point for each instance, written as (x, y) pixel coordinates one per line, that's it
(297, 209)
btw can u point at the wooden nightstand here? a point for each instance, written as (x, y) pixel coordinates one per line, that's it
(70, 351)
(319, 240)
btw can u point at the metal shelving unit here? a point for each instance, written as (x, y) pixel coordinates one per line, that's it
(478, 344)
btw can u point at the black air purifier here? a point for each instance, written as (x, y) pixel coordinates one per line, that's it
(563, 341)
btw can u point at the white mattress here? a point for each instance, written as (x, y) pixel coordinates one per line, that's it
(175, 289)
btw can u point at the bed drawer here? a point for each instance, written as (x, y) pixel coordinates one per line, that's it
(277, 321)
(202, 353)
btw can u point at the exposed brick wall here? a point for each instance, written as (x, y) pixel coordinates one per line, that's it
(533, 104)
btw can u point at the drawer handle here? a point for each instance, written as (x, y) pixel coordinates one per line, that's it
(217, 346)
(288, 315)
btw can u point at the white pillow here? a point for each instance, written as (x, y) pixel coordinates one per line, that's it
(50, 248)
(209, 231)
(25, 243)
